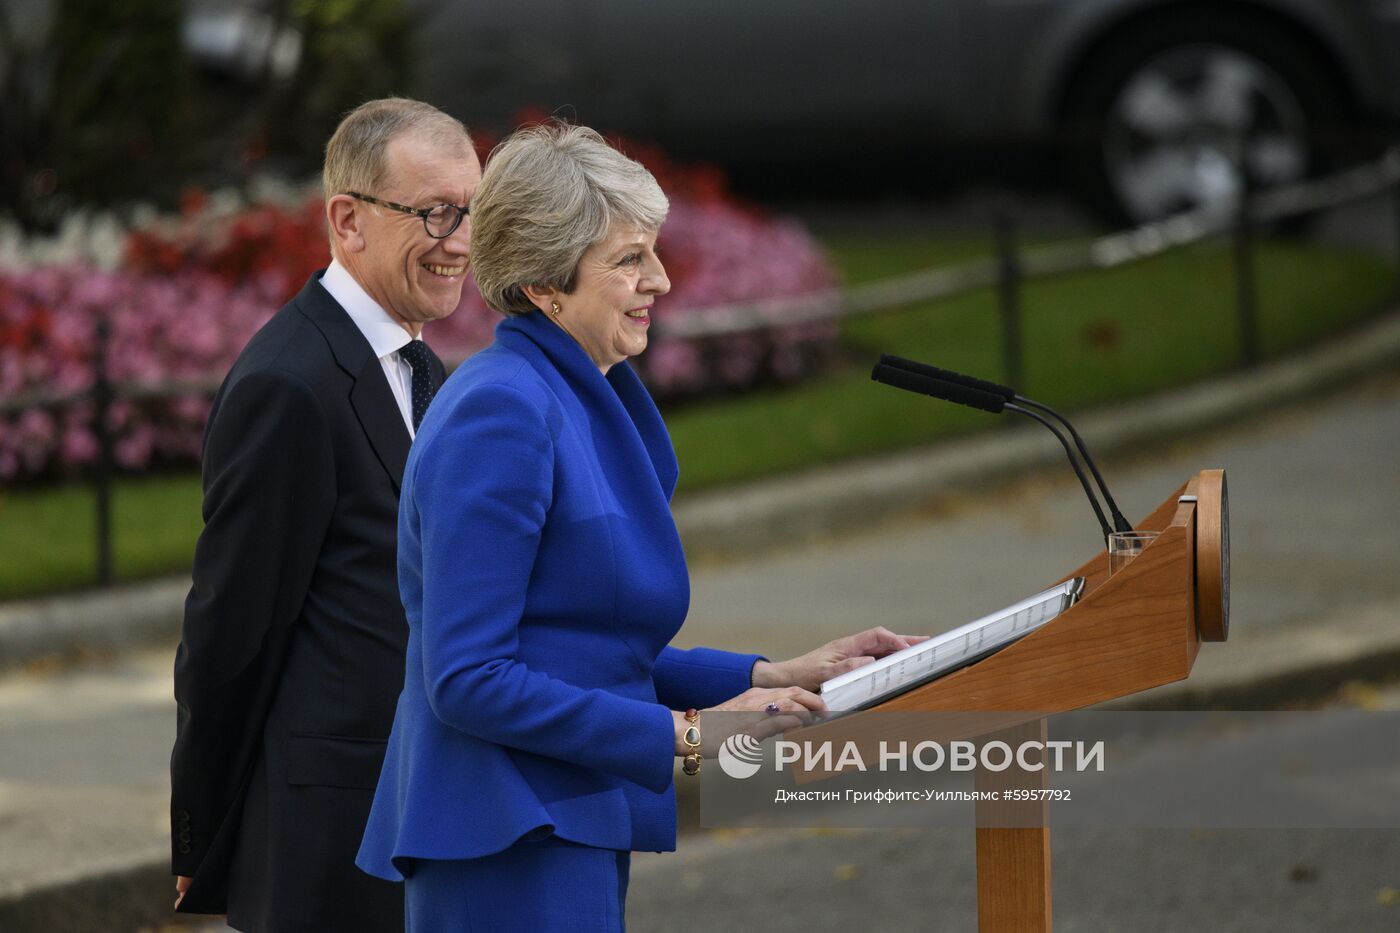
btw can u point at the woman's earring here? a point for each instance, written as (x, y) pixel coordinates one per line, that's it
(554, 306)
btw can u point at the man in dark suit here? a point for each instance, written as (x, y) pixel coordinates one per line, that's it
(291, 657)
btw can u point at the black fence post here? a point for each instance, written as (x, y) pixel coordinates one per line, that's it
(1395, 206)
(102, 475)
(1009, 296)
(1246, 300)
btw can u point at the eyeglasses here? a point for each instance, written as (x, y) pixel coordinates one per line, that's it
(440, 222)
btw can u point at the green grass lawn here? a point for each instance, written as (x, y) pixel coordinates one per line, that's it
(47, 535)
(1088, 338)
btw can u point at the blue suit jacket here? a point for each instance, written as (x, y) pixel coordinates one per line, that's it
(543, 578)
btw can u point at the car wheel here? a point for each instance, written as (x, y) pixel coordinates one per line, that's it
(1164, 115)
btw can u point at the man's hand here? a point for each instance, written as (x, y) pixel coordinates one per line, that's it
(836, 657)
(182, 884)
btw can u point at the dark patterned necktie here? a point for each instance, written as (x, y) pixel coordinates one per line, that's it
(417, 354)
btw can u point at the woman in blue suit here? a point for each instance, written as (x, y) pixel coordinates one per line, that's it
(535, 740)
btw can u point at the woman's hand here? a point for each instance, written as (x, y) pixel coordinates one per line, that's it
(787, 699)
(832, 659)
(758, 711)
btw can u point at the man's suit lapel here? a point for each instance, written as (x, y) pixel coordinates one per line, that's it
(371, 397)
(380, 417)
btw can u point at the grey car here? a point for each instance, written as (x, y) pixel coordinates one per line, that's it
(1153, 104)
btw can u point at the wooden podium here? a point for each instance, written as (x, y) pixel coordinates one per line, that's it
(1138, 630)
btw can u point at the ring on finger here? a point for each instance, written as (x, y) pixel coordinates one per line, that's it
(771, 709)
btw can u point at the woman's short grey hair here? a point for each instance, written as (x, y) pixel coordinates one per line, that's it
(550, 192)
(355, 155)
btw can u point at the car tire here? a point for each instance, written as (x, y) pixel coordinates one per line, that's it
(1154, 115)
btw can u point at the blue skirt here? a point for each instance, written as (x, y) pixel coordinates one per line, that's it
(532, 887)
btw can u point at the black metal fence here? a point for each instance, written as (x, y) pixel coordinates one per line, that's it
(1012, 265)
(1008, 270)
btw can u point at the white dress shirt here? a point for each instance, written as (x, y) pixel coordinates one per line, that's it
(385, 335)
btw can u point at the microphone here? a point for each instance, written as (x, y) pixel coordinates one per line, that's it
(912, 381)
(1010, 395)
(947, 375)
(921, 382)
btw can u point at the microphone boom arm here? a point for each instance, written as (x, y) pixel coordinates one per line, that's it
(1103, 522)
(1120, 523)
(1010, 395)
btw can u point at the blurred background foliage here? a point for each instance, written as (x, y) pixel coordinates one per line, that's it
(94, 103)
(136, 152)
(352, 50)
(100, 103)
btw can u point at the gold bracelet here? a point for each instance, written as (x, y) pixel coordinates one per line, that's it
(691, 738)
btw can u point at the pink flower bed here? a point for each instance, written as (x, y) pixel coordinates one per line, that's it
(193, 289)
(186, 326)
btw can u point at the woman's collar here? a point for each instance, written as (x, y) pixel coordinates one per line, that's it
(562, 349)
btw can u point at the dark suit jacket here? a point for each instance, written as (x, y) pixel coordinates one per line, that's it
(291, 657)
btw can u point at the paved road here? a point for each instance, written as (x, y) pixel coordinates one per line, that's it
(1315, 536)
(1314, 500)
(1104, 882)
(110, 799)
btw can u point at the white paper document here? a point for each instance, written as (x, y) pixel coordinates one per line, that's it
(918, 664)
